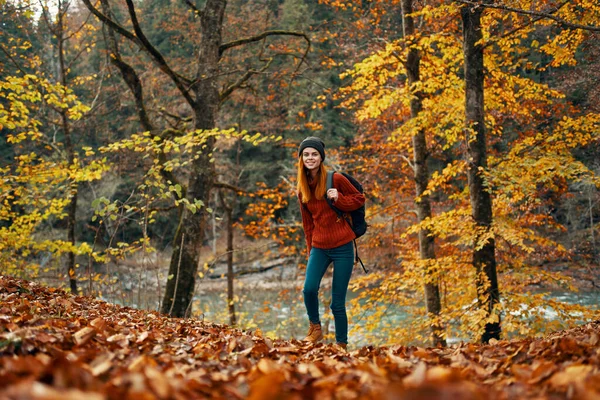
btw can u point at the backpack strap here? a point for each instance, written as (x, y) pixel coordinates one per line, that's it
(341, 215)
(330, 186)
(358, 258)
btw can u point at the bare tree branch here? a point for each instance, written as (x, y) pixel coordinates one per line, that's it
(303, 59)
(243, 79)
(241, 42)
(178, 118)
(179, 81)
(541, 14)
(83, 48)
(108, 21)
(233, 188)
(12, 59)
(128, 73)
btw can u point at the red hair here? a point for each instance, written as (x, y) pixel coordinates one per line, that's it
(304, 188)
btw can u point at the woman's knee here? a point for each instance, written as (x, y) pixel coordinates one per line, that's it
(338, 307)
(310, 291)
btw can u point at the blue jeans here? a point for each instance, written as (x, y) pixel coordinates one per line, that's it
(318, 262)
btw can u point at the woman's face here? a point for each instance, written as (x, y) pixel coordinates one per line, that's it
(311, 158)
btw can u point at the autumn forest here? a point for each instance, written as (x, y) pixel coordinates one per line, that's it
(148, 155)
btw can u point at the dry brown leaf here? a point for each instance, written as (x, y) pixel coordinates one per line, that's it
(142, 336)
(287, 349)
(521, 372)
(260, 350)
(399, 361)
(45, 338)
(84, 335)
(135, 382)
(439, 374)
(266, 387)
(245, 342)
(269, 343)
(40, 391)
(140, 362)
(24, 365)
(328, 382)
(571, 375)
(425, 355)
(119, 339)
(99, 323)
(220, 376)
(541, 371)
(101, 364)
(310, 369)
(246, 351)
(267, 366)
(537, 347)
(417, 376)
(232, 345)
(459, 359)
(158, 382)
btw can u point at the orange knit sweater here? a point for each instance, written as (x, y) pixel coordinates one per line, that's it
(322, 227)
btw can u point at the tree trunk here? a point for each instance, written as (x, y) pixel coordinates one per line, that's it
(230, 276)
(191, 230)
(421, 173)
(484, 259)
(72, 208)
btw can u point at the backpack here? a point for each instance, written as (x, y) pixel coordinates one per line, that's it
(357, 217)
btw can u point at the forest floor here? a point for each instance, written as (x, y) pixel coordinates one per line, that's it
(54, 345)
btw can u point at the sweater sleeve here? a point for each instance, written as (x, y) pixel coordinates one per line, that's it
(349, 198)
(307, 223)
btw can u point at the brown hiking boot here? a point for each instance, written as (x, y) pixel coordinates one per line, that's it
(315, 333)
(342, 347)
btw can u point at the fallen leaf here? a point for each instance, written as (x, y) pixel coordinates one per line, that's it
(101, 364)
(158, 382)
(571, 375)
(542, 371)
(266, 387)
(82, 336)
(439, 374)
(141, 337)
(417, 376)
(267, 366)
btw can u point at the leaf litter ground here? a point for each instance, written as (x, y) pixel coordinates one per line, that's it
(54, 345)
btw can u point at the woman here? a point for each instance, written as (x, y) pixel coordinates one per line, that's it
(328, 238)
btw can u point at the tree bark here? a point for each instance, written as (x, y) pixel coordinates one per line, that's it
(59, 32)
(230, 277)
(484, 259)
(421, 176)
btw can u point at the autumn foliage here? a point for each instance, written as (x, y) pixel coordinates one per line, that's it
(58, 345)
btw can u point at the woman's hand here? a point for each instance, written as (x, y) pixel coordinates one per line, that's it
(332, 194)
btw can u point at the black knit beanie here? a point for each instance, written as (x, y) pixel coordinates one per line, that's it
(314, 142)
